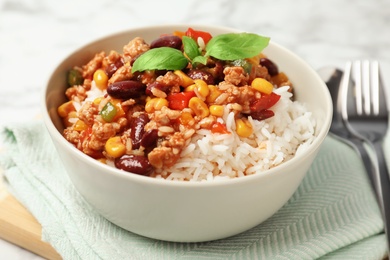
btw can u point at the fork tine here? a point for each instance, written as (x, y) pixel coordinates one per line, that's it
(367, 87)
(357, 67)
(364, 78)
(365, 74)
(374, 77)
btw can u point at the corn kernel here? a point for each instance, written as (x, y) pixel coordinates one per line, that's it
(65, 109)
(201, 88)
(186, 118)
(199, 107)
(262, 85)
(155, 104)
(243, 127)
(216, 110)
(80, 125)
(185, 80)
(101, 79)
(214, 94)
(114, 147)
(190, 88)
(160, 103)
(97, 100)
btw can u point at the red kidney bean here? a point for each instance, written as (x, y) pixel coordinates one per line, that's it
(271, 66)
(261, 115)
(137, 125)
(137, 164)
(201, 74)
(149, 139)
(217, 72)
(113, 67)
(126, 89)
(158, 85)
(167, 41)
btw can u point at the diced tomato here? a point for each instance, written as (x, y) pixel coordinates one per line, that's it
(264, 102)
(219, 128)
(195, 34)
(179, 101)
(260, 107)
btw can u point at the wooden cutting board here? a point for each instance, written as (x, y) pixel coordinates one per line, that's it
(19, 227)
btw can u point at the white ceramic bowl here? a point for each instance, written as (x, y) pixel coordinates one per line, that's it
(184, 211)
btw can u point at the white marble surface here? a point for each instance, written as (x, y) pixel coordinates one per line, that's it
(36, 34)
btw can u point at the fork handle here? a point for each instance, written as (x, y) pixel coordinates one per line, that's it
(384, 182)
(357, 144)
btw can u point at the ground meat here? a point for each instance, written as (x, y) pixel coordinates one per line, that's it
(111, 58)
(122, 122)
(100, 134)
(262, 72)
(135, 47)
(123, 73)
(168, 152)
(245, 97)
(162, 118)
(112, 62)
(242, 95)
(171, 80)
(161, 156)
(94, 64)
(236, 76)
(147, 77)
(76, 93)
(87, 113)
(171, 141)
(71, 135)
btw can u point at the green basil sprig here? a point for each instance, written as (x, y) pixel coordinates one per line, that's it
(163, 58)
(234, 46)
(191, 48)
(230, 46)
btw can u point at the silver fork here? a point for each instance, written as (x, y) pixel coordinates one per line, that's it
(367, 119)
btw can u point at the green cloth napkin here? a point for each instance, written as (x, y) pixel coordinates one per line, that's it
(332, 215)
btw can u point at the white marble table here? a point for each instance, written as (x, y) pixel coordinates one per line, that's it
(36, 35)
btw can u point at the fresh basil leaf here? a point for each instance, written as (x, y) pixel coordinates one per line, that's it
(163, 58)
(191, 48)
(200, 59)
(234, 46)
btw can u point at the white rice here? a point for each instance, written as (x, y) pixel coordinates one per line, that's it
(91, 94)
(275, 140)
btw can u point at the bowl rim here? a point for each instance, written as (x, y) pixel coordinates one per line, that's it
(278, 170)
